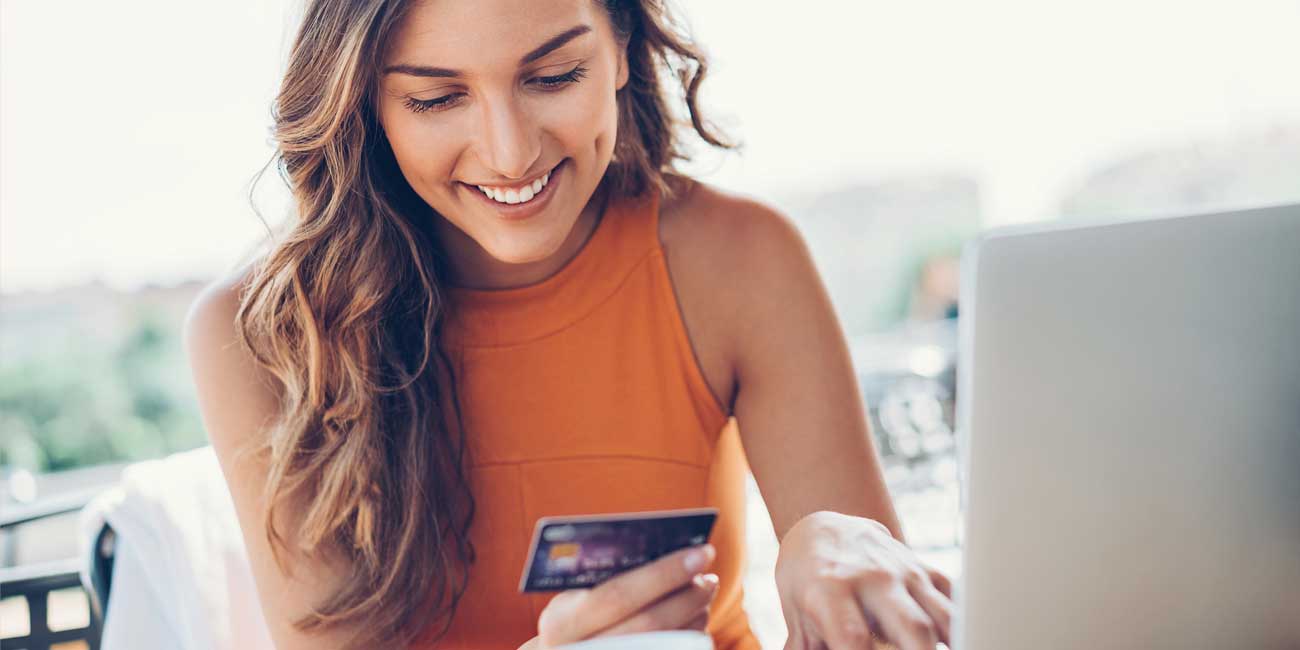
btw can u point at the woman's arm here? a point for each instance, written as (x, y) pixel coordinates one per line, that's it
(843, 573)
(797, 402)
(236, 404)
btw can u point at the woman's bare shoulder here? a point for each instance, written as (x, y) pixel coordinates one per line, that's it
(723, 229)
(212, 313)
(218, 300)
(234, 392)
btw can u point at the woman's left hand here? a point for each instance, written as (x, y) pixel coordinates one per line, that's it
(842, 579)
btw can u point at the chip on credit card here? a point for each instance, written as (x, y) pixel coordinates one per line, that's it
(582, 551)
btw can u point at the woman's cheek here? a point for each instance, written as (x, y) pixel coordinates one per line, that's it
(582, 113)
(425, 151)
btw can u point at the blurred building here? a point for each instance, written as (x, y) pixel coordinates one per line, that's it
(872, 241)
(1254, 168)
(36, 323)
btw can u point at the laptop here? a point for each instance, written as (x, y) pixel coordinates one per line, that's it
(1129, 434)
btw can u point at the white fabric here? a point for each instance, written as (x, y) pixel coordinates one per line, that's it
(181, 577)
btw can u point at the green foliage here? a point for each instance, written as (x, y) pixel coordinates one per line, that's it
(87, 403)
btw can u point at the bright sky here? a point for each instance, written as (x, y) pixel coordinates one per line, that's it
(130, 131)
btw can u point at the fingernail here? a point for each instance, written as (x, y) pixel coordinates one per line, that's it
(708, 581)
(697, 558)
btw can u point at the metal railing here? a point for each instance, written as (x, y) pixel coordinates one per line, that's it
(34, 583)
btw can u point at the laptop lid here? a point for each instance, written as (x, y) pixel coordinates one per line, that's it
(1129, 432)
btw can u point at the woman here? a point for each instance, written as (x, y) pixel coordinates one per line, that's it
(497, 301)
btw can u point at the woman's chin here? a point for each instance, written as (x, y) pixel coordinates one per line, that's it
(526, 253)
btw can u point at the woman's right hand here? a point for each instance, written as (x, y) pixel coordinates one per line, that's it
(666, 594)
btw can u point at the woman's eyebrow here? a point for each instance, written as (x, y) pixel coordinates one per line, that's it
(554, 43)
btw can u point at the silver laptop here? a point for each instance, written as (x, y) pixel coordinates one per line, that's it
(1129, 432)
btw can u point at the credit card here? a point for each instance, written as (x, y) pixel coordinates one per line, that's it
(585, 550)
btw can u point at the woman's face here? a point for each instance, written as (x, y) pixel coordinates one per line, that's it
(503, 95)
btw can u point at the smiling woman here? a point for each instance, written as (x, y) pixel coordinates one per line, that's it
(499, 302)
(437, 152)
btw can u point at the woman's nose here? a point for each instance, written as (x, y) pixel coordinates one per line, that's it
(510, 142)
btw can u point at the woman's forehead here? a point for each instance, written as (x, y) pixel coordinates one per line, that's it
(465, 34)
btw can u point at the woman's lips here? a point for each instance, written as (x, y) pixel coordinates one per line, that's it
(518, 211)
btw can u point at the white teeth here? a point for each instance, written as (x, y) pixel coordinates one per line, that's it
(513, 196)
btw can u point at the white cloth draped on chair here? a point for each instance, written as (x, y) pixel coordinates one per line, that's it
(181, 577)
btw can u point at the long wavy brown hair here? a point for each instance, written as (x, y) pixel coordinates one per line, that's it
(345, 311)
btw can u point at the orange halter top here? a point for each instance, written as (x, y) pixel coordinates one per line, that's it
(580, 394)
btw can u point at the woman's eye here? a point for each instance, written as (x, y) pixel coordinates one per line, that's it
(446, 101)
(565, 79)
(422, 105)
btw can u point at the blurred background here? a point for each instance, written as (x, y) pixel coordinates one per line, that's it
(890, 132)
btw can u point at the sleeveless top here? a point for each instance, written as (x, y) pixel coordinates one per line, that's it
(580, 394)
